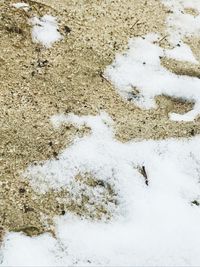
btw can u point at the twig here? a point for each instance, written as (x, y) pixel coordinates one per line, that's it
(135, 24)
(103, 77)
(144, 174)
(162, 39)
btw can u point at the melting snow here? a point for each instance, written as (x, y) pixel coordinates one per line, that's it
(21, 5)
(21, 250)
(156, 224)
(45, 30)
(140, 68)
(180, 23)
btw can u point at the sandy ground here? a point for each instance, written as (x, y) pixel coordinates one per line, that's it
(37, 83)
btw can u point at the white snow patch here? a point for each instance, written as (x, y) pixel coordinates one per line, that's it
(45, 30)
(20, 250)
(181, 24)
(21, 5)
(140, 68)
(57, 173)
(157, 225)
(182, 52)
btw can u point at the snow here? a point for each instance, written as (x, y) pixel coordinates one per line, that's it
(57, 173)
(21, 250)
(45, 30)
(21, 5)
(155, 225)
(182, 52)
(181, 24)
(140, 68)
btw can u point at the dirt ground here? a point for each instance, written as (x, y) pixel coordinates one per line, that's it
(37, 83)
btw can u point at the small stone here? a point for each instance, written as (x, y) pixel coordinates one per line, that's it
(22, 190)
(195, 202)
(67, 29)
(50, 143)
(63, 212)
